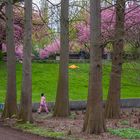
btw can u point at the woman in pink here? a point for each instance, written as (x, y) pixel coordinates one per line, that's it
(43, 104)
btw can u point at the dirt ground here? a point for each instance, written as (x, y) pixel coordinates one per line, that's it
(7, 133)
(73, 125)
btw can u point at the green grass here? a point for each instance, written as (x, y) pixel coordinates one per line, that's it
(33, 129)
(128, 133)
(45, 80)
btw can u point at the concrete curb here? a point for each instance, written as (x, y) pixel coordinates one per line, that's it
(80, 105)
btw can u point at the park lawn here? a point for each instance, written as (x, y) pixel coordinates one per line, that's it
(45, 80)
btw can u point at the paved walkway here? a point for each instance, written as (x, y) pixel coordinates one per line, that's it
(11, 134)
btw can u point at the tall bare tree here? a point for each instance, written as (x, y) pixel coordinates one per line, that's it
(62, 98)
(112, 109)
(94, 118)
(10, 107)
(26, 93)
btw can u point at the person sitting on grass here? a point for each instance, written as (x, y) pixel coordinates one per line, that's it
(43, 104)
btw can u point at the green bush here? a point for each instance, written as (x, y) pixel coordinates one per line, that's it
(129, 133)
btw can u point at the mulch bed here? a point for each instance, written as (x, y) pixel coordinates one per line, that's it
(72, 126)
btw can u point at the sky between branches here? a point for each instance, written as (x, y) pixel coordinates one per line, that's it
(53, 1)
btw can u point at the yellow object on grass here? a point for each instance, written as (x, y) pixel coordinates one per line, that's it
(73, 67)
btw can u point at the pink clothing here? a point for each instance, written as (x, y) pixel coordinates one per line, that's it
(43, 104)
(43, 100)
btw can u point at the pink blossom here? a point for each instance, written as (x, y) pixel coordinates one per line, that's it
(4, 48)
(108, 17)
(52, 48)
(83, 32)
(19, 51)
(43, 54)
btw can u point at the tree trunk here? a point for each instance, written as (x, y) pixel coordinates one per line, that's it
(10, 107)
(94, 118)
(112, 109)
(26, 93)
(62, 98)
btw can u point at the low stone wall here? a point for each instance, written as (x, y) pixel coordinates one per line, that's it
(80, 105)
(57, 61)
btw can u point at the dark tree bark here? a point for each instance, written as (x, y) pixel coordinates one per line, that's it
(112, 109)
(10, 107)
(94, 119)
(62, 97)
(26, 93)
